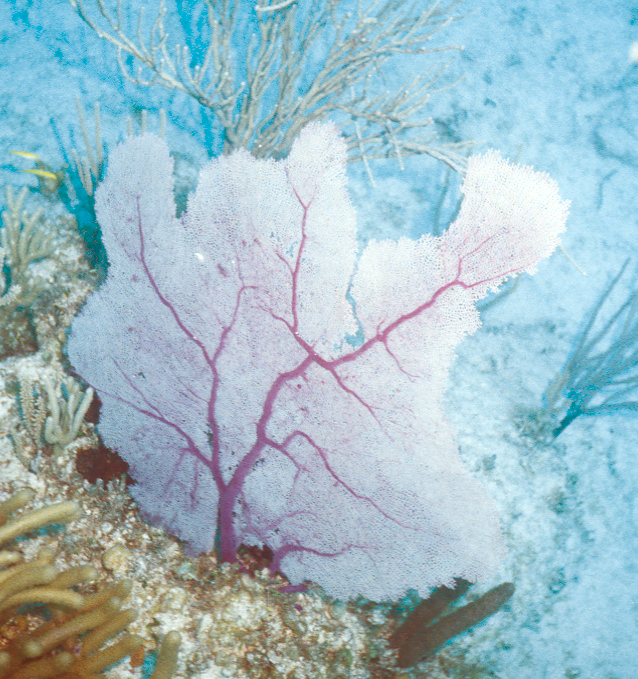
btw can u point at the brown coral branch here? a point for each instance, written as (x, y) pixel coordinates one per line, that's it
(417, 638)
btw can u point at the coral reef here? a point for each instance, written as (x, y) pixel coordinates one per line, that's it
(232, 624)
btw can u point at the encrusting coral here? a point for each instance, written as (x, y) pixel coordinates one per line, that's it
(47, 628)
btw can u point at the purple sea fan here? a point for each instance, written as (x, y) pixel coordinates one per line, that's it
(257, 401)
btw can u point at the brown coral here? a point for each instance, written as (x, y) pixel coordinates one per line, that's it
(421, 634)
(47, 628)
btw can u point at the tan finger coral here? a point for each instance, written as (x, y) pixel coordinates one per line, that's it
(47, 629)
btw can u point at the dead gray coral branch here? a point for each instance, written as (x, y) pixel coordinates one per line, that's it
(274, 8)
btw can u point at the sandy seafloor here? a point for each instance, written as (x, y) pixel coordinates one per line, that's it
(550, 84)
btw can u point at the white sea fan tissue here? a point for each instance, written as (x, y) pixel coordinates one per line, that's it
(221, 348)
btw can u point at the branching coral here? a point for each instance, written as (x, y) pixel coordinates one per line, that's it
(263, 97)
(22, 240)
(67, 407)
(601, 374)
(52, 410)
(48, 629)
